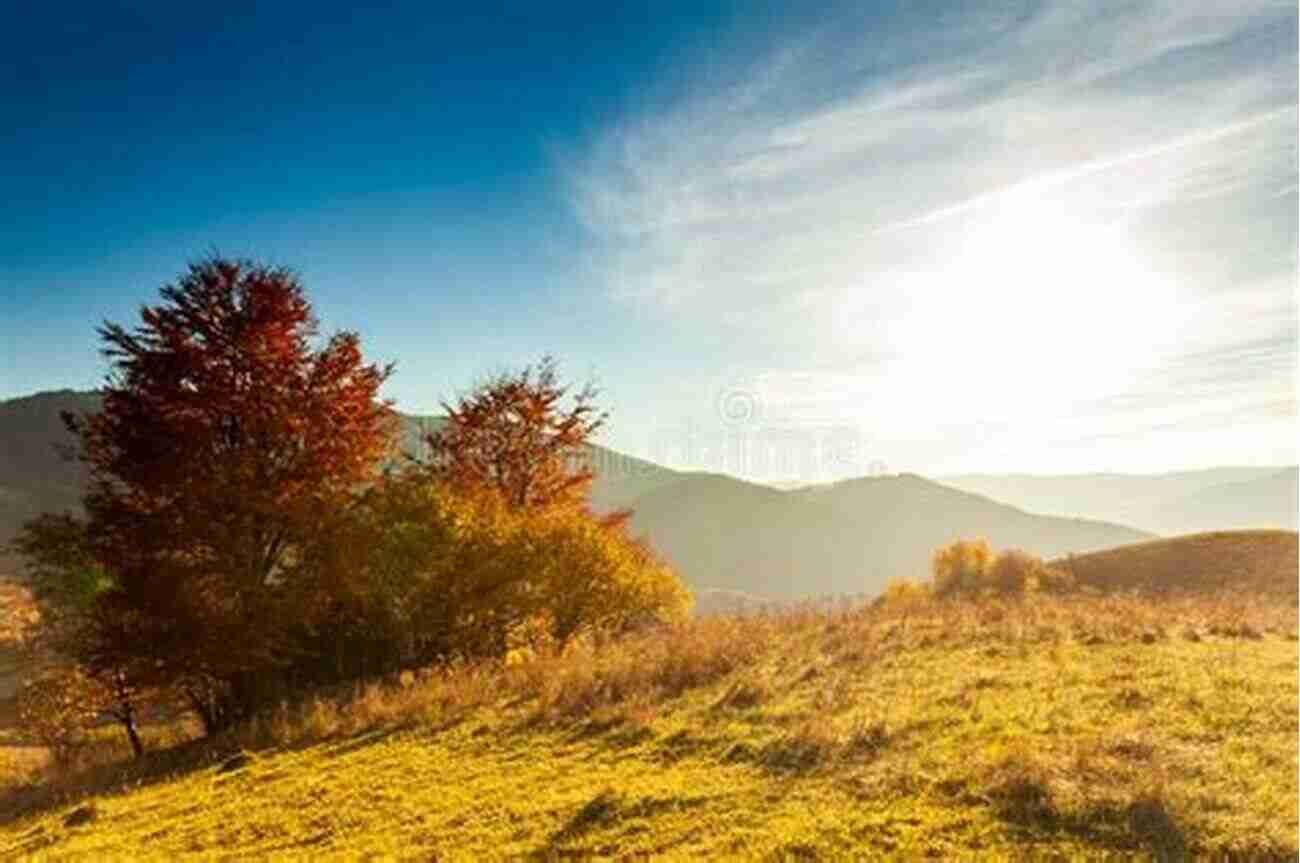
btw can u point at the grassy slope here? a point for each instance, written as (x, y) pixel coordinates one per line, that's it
(1069, 726)
(1252, 561)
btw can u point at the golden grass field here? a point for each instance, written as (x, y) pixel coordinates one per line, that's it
(1256, 562)
(1084, 725)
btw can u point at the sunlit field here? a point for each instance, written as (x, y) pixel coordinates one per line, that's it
(1065, 725)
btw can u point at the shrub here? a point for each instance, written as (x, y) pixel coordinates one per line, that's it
(1054, 579)
(968, 568)
(59, 707)
(56, 709)
(1014, 572)
(906, 594)
(961, 567)
(430, 572)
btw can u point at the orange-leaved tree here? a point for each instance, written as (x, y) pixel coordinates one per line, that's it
(523, 434)
(228, 430)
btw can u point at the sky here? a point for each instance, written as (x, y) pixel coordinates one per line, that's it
(788, 241)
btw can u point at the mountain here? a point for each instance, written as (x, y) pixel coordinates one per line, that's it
(1251, 563)
(37, 473)
(847, 538)
(37, 476)
(1264, 501)
(1170, 504)
(720, 532)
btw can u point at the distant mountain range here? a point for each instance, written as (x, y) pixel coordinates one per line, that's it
(845, 538)
(1169, 504)
(720, 532)
(729, 535)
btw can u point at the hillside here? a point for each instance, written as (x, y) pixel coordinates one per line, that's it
(1054, 729)
(1249, 562)
(846, 538)
(1222, 498)
(720, 532)
(35, 475)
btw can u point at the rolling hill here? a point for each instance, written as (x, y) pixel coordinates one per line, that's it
(1169, 504)
(719, 531)
(1251, 563)
(847, 538)
(35, 476)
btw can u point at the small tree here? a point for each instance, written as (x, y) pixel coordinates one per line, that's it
(58, 706)
(516, 434)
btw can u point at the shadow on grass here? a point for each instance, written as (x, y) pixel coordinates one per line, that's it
(605, 810)
(1145, 824)
(160, 766)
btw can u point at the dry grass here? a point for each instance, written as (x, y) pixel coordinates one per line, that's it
(1258, 562)
(1076, 725)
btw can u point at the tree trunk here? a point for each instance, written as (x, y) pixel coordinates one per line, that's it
(128, 722)
(204, 710)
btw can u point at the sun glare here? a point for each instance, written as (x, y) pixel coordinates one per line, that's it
(1034, 306)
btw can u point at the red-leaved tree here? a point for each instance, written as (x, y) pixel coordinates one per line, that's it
(522, 434)
(229, 434)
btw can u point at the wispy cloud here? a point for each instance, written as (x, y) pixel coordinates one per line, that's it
(850, 204)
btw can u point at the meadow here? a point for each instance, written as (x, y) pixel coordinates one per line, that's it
(1073, 725)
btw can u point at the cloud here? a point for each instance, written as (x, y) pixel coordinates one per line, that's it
(839, 203)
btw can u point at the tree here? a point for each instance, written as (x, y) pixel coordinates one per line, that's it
(227, 433)
(425, 572)
(516, 435)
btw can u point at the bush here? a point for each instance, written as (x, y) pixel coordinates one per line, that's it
(57, 708)
(904, 593)
(961, 567)
(1014, 572)
(60, 707)
(968, 568)
(1053, 579)
(428, 572)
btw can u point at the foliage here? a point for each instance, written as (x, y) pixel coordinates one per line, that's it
(241, 545)
(1055, 579)
(225, 436)
(515, 434)
(903, 593)
(19, 613)
(64, 576)
(969, 568)
(961, 567)
(57, 707)
(425, 571)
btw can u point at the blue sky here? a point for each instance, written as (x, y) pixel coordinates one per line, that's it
(932, 237)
